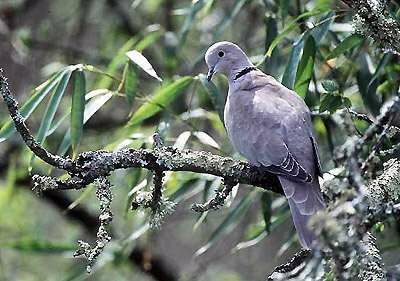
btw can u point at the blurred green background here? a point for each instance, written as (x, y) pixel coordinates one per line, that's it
(309, 46)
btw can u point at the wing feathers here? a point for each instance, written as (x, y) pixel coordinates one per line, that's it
(290, 168)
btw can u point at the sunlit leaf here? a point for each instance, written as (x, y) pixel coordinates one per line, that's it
(206, 139)
(182, 139)
(77, 110)
(140, 60)
(162, 98)
(306, 68)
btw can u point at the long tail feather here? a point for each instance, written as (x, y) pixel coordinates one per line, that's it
(305, 199)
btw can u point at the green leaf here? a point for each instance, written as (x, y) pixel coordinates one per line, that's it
(37, 246)
(318, 32)
(292, 25)
(140, 60)
(102, 96)
(33, 102)
(330, 86)
(289, 77)
(258, 237)
(53, 106)
(347, 44)
(77, 110)
(331, 103)
(229, 222)
(215, 96)
(266, 205)
(306, 68)
(162, 98)
(131, 82)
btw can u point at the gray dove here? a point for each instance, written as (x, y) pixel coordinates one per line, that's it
(270, 125)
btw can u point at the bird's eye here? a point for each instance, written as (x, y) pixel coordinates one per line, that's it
(221, 54)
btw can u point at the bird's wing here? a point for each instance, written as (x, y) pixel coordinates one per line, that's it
(285, 135)
(290, 168)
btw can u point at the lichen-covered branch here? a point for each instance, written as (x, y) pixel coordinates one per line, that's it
(373, 19)
(91, 253)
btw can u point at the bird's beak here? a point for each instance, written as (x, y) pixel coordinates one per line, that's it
(210, 74)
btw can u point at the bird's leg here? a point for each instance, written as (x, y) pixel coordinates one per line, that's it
(219, 199)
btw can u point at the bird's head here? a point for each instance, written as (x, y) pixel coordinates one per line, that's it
(226, 58)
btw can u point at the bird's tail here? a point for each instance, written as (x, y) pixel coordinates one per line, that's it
(305, 199)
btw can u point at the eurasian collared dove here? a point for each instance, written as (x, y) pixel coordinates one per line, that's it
(271, 126)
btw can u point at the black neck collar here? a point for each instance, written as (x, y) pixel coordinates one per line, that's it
(244, 71)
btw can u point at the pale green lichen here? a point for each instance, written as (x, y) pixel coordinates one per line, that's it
(386, 187)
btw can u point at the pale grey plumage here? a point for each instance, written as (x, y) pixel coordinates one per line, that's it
(270, 125)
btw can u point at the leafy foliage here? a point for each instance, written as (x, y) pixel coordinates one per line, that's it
(114, 98)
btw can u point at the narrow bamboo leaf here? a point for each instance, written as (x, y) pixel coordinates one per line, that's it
(37, 246)
(229, 222)
(306, 68)
(322, 27)
(347, 44)
(162, 98)
(260, 235)
(318, 32)
(102, 96)
(206, 139)
(77, 110)
(215, 96)
(131, 82)
(289, 77)
(53, 106)
(140, 60)
(182, 139)
(266, 204)
(33, 102)
(292, 25)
